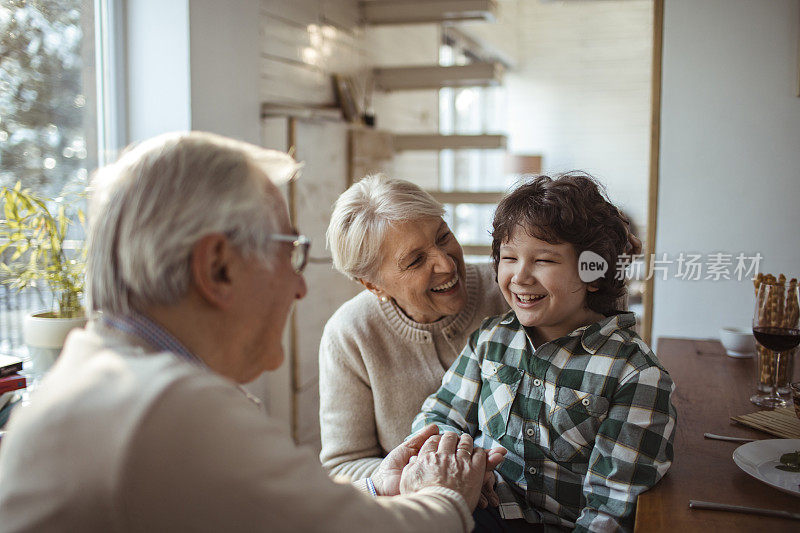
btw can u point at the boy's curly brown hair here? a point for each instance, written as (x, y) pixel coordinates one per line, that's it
(569, 208)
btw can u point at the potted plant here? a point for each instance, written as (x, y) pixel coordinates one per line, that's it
(34, 252)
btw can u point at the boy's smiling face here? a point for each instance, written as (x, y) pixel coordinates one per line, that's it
(540, 282)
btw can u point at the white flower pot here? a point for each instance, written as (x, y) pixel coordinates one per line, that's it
(44, 334)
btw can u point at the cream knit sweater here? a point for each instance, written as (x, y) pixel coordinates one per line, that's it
(377, 366)
(121, 438)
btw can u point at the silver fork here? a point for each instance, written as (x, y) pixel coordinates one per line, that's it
(695, 504)
(724, 437)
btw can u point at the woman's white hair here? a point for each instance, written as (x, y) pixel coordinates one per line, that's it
(363, 214)
(150, 208)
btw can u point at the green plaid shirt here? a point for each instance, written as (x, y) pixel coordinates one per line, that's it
(586, 419)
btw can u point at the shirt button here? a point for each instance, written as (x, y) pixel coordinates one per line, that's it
(537, 382)
(532, 470)
(529, 432)
(586, 402)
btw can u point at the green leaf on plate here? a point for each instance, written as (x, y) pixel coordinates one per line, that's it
(790, 462)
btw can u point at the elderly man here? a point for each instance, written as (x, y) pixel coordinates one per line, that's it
(141, 424)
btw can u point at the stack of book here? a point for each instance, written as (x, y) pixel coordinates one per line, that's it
(10, 383)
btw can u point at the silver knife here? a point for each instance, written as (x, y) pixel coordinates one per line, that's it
(695, 504)
(724, 437)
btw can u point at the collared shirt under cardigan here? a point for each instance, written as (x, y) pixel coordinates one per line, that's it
(587, 419)
(377, 366)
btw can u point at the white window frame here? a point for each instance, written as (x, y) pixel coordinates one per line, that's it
(110, 79)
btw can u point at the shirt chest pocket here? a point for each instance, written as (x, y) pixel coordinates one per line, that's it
(499, 384)
(574, 420)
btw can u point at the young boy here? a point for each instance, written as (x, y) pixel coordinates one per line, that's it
(561, 381)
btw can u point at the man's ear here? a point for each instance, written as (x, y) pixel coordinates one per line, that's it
(212, 263)
(371, 287)
(591, 287)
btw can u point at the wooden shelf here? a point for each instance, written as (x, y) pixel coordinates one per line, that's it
(449, 142)
(425, 11)
(269, 109)
(465, 197)
(436, 77)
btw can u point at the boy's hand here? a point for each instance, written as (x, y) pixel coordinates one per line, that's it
(488, 495)
(495, 456)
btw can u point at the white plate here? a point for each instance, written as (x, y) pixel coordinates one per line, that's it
(740, 355)
(760, 457)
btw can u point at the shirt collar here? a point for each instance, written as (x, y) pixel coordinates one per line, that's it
(592, 336)
(510, 319)
(154, 334)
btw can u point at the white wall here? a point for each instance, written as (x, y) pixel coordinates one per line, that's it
(224, 61)
(730, 152)
(579, 93)
(157, 57)
(192, 64)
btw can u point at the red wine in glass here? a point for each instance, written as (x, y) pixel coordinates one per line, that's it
(776, 327)
(777, 339)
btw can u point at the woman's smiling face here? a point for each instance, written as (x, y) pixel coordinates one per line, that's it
(422, 270)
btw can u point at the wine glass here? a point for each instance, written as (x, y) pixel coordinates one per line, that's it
(776, 327)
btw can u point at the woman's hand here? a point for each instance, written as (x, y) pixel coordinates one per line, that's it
(387, 477)
(495, 456)
(447, 461)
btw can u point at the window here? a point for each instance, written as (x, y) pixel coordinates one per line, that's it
(471, 111)
(47, 120)
(48, 117)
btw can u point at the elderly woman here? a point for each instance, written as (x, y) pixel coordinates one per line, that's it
(384, 351)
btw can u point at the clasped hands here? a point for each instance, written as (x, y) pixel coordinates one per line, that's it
(428, 459)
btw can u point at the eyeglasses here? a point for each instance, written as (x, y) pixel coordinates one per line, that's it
(300, 245)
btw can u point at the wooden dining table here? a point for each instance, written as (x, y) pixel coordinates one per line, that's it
(710, 388)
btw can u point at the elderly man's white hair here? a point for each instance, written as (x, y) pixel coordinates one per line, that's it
(363, 214)
(152, 206)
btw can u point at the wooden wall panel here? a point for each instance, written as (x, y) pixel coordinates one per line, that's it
(322, 146)
(302, 44)
(296, 11)
(341, 14)
(314, 43)
(292, 83)
(276, 387)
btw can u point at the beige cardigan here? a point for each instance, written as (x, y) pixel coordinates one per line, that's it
(119, 439)
(377, 366)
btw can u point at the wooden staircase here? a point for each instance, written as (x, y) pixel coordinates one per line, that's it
(371, 149)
